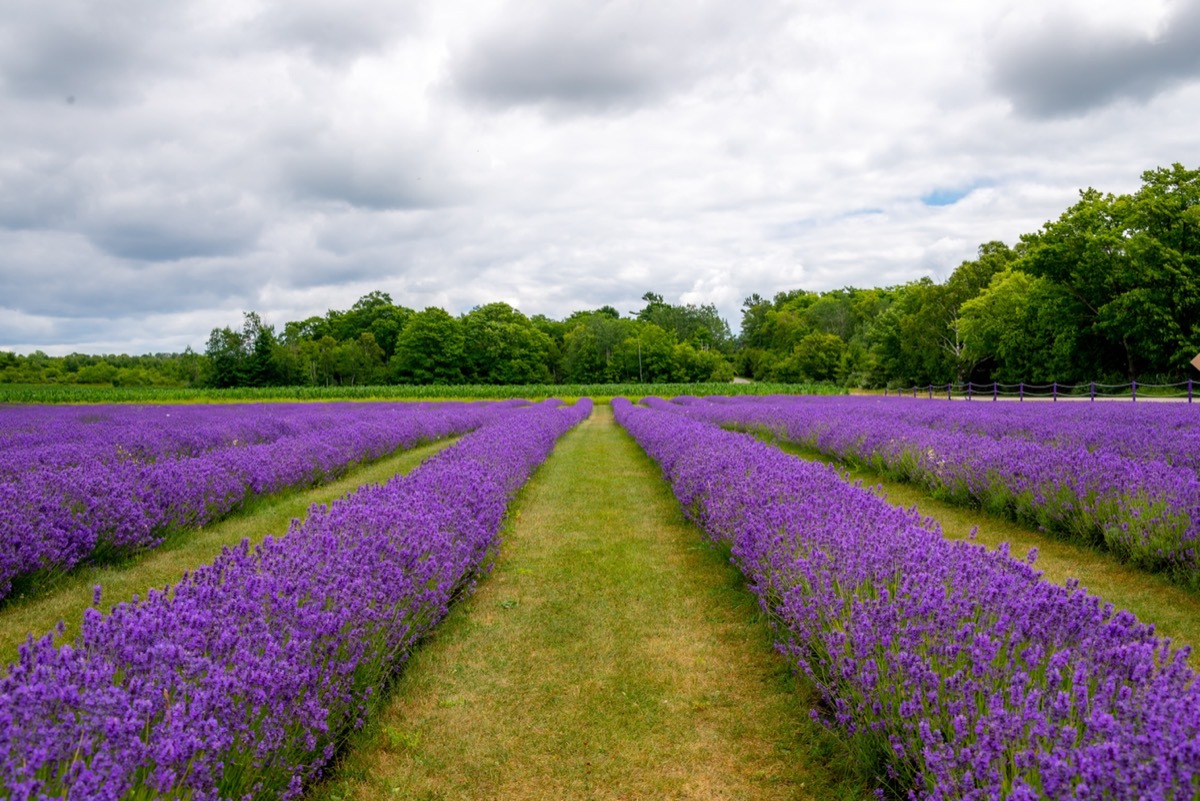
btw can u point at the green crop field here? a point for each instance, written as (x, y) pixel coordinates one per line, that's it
(52, 393)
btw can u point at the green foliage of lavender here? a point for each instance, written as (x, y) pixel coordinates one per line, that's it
(957, 672)
(242, 680)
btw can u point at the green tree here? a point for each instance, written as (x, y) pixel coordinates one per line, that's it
(702, 326)
(429, 349)
(645, 354)
(816, 357)
(243, 358)
(374, 313)
(259, 368)
(590, 347)
(1130, 263)
(693, 365)
(226, 357)
(502, 346)
(832, 313)
(754, 317)
(1021, 327)
(358, 362)
(99, 373)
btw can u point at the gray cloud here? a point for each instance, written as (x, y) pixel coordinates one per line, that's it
(1065, 68)
(583, 56)
(36, 192)
(288, 156)
(65, 279)
(93, 53)
(374, 182)
(166, 225)
(336, 33)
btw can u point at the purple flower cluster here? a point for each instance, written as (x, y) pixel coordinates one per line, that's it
(958, 669)
(83, 482)
(1046, 468)
(242, 680)
(1161, 432)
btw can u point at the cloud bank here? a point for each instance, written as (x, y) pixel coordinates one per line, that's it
(166, 166)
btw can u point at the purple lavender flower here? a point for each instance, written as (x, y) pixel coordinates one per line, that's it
(86, 482)
(959, 668)
(243, 679)
(1049, 465)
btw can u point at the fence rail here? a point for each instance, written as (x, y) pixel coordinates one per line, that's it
(1053, 391)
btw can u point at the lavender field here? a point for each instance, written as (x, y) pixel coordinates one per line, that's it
(87, 482)
(948, 671)
(1116, 476)
(956, 670)
(241, 680)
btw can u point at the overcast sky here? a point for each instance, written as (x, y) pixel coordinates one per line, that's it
(165, 166)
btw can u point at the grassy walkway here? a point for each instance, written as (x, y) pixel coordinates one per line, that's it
(67, 596)
(611, 654)
(1174, 611)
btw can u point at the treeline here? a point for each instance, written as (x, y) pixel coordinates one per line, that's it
(1108, 292)
(378, 342)
(118, 370)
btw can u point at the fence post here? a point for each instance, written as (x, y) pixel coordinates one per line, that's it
(931, 391)
(1021, 391)
(1189, 390)
(1054, 389)
(1134, 385)
(1093, 390)
(968, 390)
(948, 397)
(995, 389)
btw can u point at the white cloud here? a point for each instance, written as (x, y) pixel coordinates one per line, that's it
(222, 156)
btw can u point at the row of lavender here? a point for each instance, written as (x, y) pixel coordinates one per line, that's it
(63, 436)
(956, 667)
(243, 680)
(1144, 510)
(1160, 432)
(102, 481)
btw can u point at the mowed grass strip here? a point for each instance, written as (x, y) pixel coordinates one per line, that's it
(611, 654)
(1174, 611)
(66, 596)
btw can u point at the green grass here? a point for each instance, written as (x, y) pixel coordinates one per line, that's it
(1174, 610)
(66, 596)
(57, 393)
(612, 654)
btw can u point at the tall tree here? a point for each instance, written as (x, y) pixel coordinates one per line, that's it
(1020, 329)
(1131, 264)
(502, 346)
(429, 349)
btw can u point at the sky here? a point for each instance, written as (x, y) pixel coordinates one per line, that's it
(167, 166)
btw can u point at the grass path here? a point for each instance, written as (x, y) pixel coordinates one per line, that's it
(68, 595)
(611, 654)
(1174, 611)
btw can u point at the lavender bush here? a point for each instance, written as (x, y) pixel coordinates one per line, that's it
(1144, 510)
(91, 482)
(1161, 432)
(242, 680)
(956, 672)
